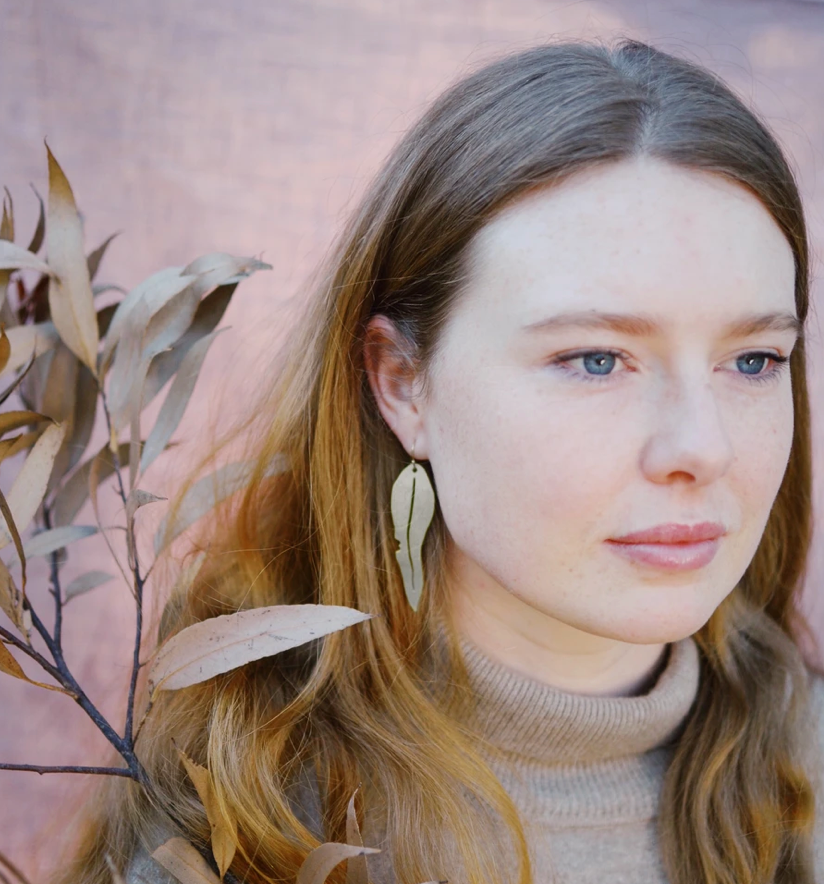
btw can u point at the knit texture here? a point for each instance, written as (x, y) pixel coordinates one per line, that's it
(585, 772)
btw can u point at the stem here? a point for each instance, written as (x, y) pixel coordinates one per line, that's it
(11, 639)
(55, 582)
(41, 769)
(138, 595)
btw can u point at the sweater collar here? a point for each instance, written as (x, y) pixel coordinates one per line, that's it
(536, 722)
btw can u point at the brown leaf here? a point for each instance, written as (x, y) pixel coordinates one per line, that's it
(71, 497)
(11, 600)
(7, 224)
(5, 348)
(85, 410)
(40, 230)
(85, 582)
(357, 871)
(14, 257)
(224, 830)
(320, 862)
(29, 486)
(223, 643)
(206, 493)
(13, 420)
(183, 861)
(26, 340)
(94, 259)
(16, 444)
(11, 667)
(136, 499)
(59, 402)
(70, 295)
(174, 406)
(18, 545)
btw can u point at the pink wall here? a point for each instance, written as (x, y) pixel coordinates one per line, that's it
(251, 127)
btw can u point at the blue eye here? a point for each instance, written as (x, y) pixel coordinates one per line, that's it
(752, 363)
(600, 363)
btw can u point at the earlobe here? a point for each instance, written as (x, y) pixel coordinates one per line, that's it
(391, 371)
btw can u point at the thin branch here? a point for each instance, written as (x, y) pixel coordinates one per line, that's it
(5, 861)
(11, 639)
(138, 596)
(55, 582)
(36, 768)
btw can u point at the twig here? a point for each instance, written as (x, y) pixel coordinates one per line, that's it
(41, 769)
(138, 596)
(55, 582)
(11, 639)
(4, 860)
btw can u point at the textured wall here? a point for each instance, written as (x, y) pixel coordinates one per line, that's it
(250, 127)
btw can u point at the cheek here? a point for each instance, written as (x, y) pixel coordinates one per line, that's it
(525, 480)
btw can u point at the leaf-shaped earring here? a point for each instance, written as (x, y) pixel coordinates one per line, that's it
(413, 505)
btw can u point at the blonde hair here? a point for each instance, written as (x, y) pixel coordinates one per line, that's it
(357, 707)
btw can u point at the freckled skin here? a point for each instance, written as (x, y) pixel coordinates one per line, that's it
(535, 467)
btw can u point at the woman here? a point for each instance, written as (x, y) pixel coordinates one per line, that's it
(574, 301)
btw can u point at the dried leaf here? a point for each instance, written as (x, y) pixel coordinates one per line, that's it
(94, 259)
(206, 493)
(117, 878)
(152, 294)
(16, 444)
(14, 257)
(222, 266)
(85, 411)
(85, 582)
(318, 865)
(40, 230)
(13, 420)
(15, 384)
(48, 541)
(28, 340)
(222, 643)
(71, 303)
(59, 401)
(224, 831)
(174, 406)
(29, 486)
(5, 348)
(11, 600)
(11, 667)
(357, 871)
(207, 316)
(18, 545)
(136, 499)
(7, 224)
(183, 861)
(71, 497)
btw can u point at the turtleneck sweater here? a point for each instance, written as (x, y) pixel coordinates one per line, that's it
(585, 772)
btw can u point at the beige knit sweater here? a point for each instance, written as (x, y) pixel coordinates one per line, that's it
(585, 772)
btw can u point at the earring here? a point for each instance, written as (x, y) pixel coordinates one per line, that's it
(413, 505)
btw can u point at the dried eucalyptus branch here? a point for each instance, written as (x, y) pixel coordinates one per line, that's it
(68, 355)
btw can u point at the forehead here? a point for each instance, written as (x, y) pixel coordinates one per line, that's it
(641, 235)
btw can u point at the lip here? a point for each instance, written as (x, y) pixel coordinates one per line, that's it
(671, 547)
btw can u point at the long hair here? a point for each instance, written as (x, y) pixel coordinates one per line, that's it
(357, 707)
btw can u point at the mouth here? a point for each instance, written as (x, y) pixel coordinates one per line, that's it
(671, 547)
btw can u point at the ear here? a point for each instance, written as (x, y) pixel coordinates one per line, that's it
(393, 379)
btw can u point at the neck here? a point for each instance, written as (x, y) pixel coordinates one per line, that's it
(529, 641)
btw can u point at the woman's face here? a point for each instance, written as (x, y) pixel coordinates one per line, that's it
(611, 367)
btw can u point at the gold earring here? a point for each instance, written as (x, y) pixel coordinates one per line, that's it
(413, 505)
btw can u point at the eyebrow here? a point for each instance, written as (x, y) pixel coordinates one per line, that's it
(639, 325)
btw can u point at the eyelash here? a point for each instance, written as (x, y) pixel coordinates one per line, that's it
(779, 366)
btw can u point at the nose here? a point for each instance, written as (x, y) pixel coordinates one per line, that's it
(689, 441)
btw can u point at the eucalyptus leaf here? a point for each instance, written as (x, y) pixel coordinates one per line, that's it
(45, 542)
(70, 294)
(183, 861)
(14, 257)
(206, 493)
(85, 582)
(220, 644)
(322, 860)
(174, 406)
